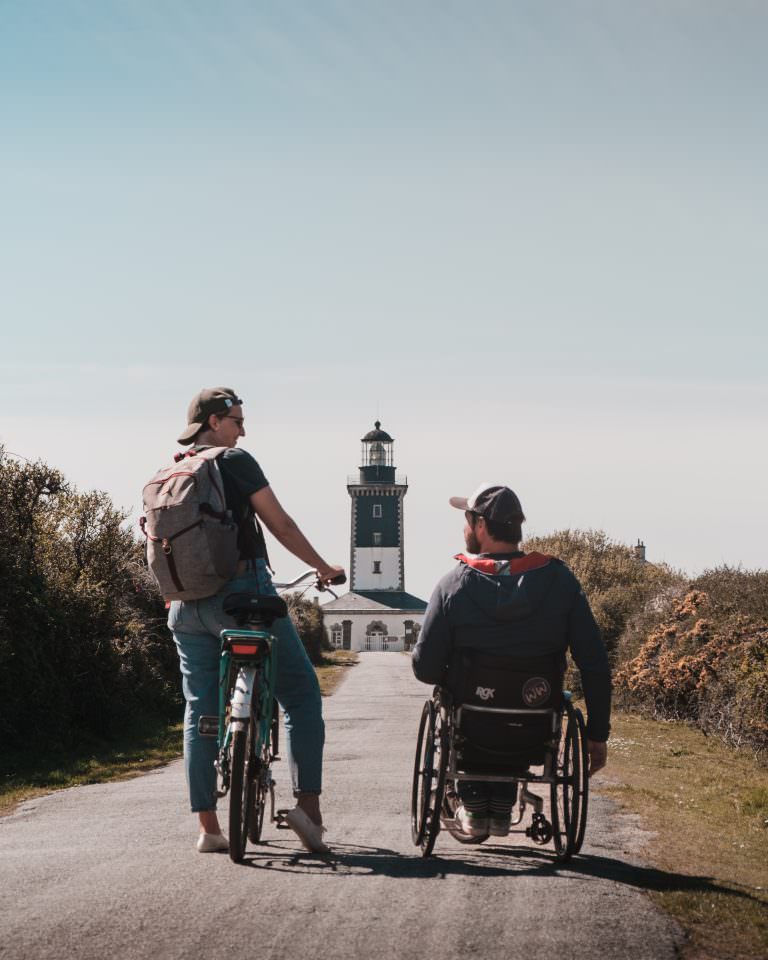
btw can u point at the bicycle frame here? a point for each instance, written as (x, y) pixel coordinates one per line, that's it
(246, 728)
(248, 668)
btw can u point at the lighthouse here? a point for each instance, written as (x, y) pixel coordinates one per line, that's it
(377, 613)
(376, 531)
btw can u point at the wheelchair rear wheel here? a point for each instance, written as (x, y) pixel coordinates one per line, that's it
(569, 792)
(428, 778)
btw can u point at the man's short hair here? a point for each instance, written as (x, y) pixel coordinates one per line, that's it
(499, 506)
(506, 532)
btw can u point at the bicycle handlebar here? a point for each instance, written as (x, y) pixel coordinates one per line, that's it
(319, 585)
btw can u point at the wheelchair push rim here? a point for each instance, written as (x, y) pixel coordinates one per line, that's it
(569, 791)
(428, 779)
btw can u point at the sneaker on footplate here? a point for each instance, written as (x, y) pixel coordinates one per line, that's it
(499, 826)
(470, 824)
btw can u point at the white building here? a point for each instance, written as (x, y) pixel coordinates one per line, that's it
(377, 613)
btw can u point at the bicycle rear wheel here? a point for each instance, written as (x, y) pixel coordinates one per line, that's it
(259, 793)
(241, 791)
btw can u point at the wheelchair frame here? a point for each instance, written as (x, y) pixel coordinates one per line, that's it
(437, 771)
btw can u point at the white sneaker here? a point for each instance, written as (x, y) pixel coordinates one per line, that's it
(309, 832)
(212, 843)
(500, 826)
(470, 825)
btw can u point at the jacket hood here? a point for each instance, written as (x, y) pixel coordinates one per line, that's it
(509, 588)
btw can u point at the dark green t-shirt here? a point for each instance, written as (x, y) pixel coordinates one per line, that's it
(242, 476)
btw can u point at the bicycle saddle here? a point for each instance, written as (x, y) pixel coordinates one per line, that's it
(254, 608)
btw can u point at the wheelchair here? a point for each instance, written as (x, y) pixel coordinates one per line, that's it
(494, 719)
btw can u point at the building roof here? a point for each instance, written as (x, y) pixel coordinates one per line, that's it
(377, 434)
(363, 600)
(395, 599)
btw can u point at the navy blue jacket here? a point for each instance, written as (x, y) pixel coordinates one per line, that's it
(516, 604)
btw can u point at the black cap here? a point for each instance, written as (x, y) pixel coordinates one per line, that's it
(492, 501)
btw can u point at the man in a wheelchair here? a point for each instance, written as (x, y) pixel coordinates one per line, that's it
(495, 635)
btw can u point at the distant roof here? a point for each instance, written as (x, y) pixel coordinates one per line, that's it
(397, 599)
(362, 600)
(377, 434)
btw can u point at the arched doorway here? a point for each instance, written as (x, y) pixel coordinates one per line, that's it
(376, 636)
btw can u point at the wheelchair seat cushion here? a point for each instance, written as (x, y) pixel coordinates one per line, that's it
(249, 607)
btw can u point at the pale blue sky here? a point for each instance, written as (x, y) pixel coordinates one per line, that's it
(531, 235)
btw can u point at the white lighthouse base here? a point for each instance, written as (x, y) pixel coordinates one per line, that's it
(387, 620)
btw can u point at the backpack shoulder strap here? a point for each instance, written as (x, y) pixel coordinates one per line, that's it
(208, 456)
(210, 453)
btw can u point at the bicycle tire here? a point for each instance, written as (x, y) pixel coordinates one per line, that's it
(259, 792)
(241, 787)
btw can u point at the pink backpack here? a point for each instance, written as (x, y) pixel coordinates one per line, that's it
(191, 535)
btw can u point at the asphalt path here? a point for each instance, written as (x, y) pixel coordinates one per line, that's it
(110, 870)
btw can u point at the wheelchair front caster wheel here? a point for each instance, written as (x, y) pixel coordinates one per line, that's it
(540, 830)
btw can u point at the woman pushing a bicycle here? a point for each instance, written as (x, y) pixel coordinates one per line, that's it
(215, 420)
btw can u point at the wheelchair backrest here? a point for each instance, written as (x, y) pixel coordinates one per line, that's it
(526, 685)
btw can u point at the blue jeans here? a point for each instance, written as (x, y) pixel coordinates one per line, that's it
(196, 625)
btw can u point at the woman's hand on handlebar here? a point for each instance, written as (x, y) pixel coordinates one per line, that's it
(329, 574)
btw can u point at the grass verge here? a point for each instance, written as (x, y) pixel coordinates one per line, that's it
(25, 775)
(332, 668)
(708, 808)
(32, 774)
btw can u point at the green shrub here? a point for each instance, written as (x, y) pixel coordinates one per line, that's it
(693, 650)
(83, 646)
(616, 583)
(705, 660)
(307, 617)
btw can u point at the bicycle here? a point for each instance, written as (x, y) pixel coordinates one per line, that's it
(247, 724)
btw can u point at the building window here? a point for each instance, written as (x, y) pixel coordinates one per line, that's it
(377, 566)
(377, 511)
(336, 635)
(377, 539)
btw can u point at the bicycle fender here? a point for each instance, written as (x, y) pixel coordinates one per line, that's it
(242, 694)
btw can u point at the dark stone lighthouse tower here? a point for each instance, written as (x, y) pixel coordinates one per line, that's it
(377, 613)
(376, 549)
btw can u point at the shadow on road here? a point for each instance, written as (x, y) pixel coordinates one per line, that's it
(491, 861)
